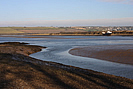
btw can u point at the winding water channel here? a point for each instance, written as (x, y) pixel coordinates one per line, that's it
(58, 47)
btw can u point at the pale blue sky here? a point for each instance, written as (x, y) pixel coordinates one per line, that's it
(65, 12)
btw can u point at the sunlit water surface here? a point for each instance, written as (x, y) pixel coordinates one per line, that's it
(58, 47)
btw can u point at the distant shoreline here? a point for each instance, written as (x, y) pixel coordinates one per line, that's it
(67, 31)
(59, 34)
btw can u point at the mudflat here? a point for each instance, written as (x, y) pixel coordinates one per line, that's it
(114, 53)
(19, 71)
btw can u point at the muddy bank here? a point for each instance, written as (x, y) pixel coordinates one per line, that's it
(19, 48)
(19, 71)
(116, 53)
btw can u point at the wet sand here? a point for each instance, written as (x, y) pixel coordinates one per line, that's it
(117, 53)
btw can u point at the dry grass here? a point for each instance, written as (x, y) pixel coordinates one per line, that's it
(18, 71)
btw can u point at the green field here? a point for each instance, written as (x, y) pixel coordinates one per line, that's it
(6, 30)
(35, 30)
(24, 30)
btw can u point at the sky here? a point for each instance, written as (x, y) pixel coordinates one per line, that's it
(66, 13)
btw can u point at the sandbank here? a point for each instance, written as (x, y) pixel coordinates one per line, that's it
(114, 53)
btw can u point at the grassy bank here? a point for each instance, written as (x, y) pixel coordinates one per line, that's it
(19, 71)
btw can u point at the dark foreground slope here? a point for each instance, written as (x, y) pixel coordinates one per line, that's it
(19, 71)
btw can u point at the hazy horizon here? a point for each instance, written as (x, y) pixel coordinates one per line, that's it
(66, 13)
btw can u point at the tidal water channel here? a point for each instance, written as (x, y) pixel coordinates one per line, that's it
(58, 47)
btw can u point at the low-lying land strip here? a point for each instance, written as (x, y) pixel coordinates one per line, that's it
(19, 71)
(35, 30)
(61, 31)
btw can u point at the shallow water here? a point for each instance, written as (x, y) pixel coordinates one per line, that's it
(57, 51)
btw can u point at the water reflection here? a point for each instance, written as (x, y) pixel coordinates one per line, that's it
(57, 51)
